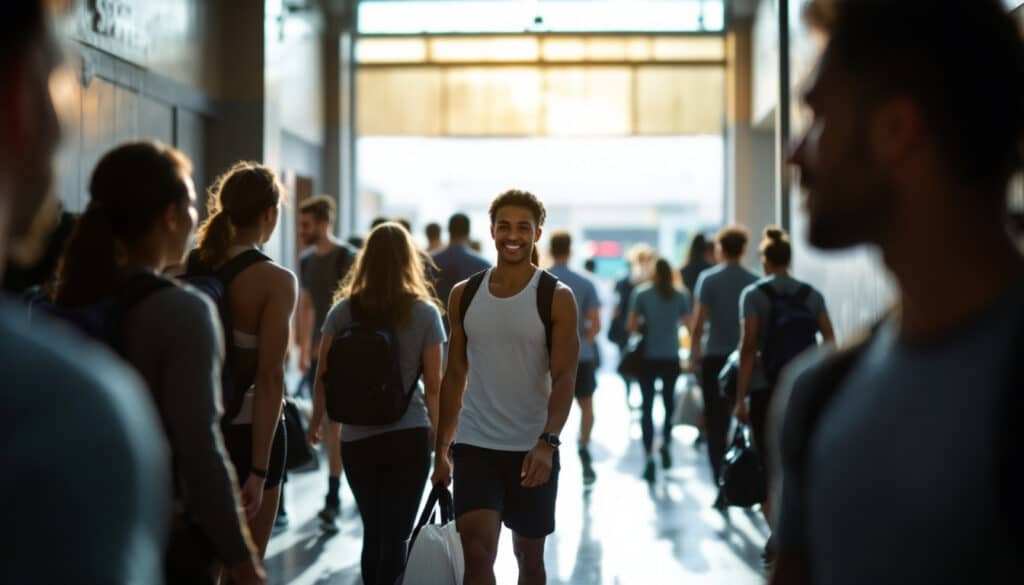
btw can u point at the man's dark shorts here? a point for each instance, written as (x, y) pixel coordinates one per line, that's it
(586, 380)
(486, 479)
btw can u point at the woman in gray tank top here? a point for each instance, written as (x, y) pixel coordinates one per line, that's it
(387, 465)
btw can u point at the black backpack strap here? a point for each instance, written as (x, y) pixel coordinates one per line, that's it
(803, 293)
(236, 265)
(768, 289)
(133, 291)
(137, 288)
(545, 299)
(812, 392)
(472, 285)
(1010, 470)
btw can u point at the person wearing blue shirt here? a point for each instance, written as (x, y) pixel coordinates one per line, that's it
(589, 326)
(458, 261)
(657, 311)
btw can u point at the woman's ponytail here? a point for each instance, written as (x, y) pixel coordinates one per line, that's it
(215, 237)
(88, 269)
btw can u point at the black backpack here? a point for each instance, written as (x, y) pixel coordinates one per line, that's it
(214, 284)
(791, 329)
(545, 297)
(364, 378)
(103, 321)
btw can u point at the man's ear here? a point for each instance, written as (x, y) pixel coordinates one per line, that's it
(896, 126)
(171, 219)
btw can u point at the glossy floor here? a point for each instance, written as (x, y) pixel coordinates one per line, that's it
(621, 531)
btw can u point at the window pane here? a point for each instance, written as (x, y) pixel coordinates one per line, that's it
(587, 101)
(477, 50)
(679, 100)
(493, 102)
(400, 101)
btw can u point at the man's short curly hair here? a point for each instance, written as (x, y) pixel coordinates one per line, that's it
(518, 198)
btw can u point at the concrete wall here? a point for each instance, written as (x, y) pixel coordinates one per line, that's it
(223, 80)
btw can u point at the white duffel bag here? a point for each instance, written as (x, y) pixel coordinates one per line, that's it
(435, 552)
(690, 407)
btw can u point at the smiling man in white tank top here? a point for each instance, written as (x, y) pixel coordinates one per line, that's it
(515, 341)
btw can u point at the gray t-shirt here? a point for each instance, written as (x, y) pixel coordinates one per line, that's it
(755, 303)
(174, 340)
(423, 329)
(719, 290)
(321, 276)
(586, 300)
(85, 466)
(661, 318)
(903, 483)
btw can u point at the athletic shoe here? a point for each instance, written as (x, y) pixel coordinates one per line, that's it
(666, 457)
(649, 470)
(589, 475)
(329, 518)
(720, 504)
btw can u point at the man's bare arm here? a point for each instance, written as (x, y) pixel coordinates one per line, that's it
(453, 384)
(565, 353)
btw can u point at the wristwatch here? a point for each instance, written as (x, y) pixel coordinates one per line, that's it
(551, 439)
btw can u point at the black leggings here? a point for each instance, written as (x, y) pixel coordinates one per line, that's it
(717, 412)
(387, 474)
(668, 372)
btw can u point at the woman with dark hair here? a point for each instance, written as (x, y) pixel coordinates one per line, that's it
(387, 465)
(244, 207)
(657, 311)
(139, 220)
(698, 259)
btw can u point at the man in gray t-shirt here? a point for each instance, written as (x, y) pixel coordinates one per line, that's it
(321, 269)
(589, 307)
(717, 307)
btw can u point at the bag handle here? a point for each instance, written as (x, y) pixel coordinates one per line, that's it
(439, 494)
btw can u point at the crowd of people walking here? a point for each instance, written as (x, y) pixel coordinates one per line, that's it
(154, 370)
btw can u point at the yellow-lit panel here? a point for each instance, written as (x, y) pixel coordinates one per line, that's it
(587, 101)
(563, 49)
(493, 102)
(638, 48)
(399, 50)
(688, 49)
(400, 101)
(484, 50)
(677, 101)
(607, 49)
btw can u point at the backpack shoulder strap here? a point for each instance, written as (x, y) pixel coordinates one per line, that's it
(138, 288)
(812, 392)
(769, 290)
(236, 265)
(472, 285)
(1010, 470)
(545, 299)
(803, 292)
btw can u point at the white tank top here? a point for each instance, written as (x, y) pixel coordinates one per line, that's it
(505, 406)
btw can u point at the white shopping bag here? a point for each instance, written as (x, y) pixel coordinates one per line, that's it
(435, 555)
(690, 408)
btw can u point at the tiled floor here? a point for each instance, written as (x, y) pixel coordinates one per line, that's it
(619, 532)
